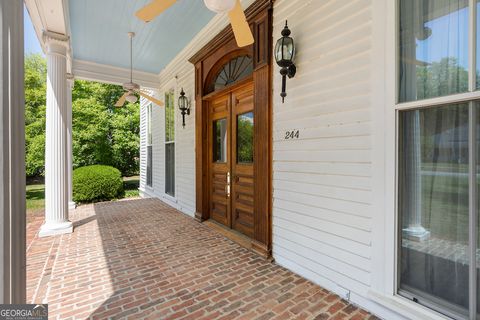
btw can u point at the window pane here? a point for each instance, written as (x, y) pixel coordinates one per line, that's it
(433, 207)
(149, 124)
(245, 138)
(234, 70)
(433, 48)
(478, 44)
(220, 140)
(149, 166)
(477, 174)
(170, 169)
(169, 117)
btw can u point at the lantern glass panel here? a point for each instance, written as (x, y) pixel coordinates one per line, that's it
(182, 103)
(288, 49)
(278, 50)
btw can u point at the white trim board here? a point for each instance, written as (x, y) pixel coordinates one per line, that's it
(88, 70)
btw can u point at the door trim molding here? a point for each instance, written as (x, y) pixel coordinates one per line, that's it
(259, 16)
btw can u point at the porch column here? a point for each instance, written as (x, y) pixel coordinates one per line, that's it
(70, 83)
(12, 154)
(413, 26)
(56, 173)
(413, 168)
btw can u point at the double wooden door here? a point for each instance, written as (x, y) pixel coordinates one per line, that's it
(231, 157)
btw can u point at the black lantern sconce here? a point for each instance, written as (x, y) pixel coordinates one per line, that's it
(284, 55)
(184, 106)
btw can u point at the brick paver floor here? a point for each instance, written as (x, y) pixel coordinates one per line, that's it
(141, 259)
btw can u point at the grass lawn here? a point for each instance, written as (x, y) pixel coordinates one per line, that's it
(35, 200)
(36, 194)
(131, 185)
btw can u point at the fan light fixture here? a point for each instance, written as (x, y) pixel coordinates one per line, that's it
(131, 98)
(131, 87)
(284, 55)
(184, 106)
(220, 6)
(236, 15)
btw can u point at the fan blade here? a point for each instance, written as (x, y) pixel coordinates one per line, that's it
(153, 9)
(150, 98)
(240, 26)
(121, 101)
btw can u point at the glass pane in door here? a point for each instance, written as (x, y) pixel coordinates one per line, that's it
(245, 138)
(434, 207)
(220, 140)
(433, 48)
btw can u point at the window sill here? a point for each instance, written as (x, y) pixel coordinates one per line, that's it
(405, 307)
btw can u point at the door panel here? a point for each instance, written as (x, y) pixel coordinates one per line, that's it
(219, 158)
(231, 147)
(243, 160)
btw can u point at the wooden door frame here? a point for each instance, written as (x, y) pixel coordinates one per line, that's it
(206, 60)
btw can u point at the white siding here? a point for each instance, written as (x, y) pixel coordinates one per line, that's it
(143, 143)
(322, 200)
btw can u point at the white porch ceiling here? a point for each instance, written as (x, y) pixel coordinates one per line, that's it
(99, 32)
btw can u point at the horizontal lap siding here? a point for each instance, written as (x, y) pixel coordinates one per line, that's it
(143, 143)
(322, 211)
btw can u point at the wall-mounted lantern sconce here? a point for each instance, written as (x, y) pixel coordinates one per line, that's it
(184, 106)
(284, 55)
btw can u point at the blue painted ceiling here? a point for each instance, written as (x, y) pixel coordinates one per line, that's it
(99, 32)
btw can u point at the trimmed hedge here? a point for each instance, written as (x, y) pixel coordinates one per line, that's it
(97, 183)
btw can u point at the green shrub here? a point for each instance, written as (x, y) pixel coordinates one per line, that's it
(97, 183)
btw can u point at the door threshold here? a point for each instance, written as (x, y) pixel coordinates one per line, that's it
(237, 237)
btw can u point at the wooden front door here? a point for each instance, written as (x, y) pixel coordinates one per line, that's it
(231, 157)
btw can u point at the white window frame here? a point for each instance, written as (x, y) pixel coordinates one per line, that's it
(385, 106)
(171, 87)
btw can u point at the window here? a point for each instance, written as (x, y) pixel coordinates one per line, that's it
(220, 143)
(170, 143)
(149, 145)
(234, 70)
(438, 128)
(245, 138)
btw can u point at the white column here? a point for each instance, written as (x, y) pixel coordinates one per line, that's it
(56, 173)
(12, 154)
(413, 228)
(70, 82)
(413, 170)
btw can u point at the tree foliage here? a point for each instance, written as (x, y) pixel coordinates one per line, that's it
(102, 134)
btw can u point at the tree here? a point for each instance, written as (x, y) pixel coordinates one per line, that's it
(35, 101)
(102, 134)
(441, 78)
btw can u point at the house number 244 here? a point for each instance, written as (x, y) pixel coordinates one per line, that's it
(294, 134)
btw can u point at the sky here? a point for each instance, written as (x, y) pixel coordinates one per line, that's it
(31, 41)
(449, 39)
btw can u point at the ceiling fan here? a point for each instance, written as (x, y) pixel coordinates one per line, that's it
(239, 23)
(131, 87)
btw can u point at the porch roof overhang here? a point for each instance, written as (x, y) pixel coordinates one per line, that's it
(98, 41)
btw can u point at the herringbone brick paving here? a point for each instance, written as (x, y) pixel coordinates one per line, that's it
(141, 259)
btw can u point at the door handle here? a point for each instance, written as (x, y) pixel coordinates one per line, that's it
(228, 184)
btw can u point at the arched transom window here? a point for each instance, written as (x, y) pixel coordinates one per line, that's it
(234, 70)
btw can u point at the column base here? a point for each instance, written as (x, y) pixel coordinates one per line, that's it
(55, 228)
(72, 205)
(418, 233)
